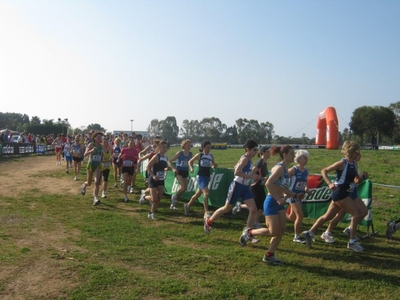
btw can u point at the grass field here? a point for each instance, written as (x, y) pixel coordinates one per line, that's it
(77, 251)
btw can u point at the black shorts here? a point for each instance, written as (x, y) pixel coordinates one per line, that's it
(259, 195)
(340, 193)
(77, 159)
(183, 173)
(129, 170)
(105, 174)
(155, 184)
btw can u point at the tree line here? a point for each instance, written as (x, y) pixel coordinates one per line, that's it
(369, 124)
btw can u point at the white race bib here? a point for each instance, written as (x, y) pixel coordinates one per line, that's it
(127, 163)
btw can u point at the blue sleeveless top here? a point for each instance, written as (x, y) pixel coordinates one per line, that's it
(299, 181)
(182, 163)
(283, 181)
(247, 170)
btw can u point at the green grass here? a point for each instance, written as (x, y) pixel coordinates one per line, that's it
(114, 252)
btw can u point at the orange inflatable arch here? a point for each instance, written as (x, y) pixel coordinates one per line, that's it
(328, 129)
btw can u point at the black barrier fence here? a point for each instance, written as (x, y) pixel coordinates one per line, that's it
(23, 149)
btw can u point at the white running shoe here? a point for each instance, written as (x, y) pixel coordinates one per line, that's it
(103, 195)
(96, 201)
(173, 207)
(174, 200)
(206, 227)
(308, 237)
(83, 189)
(142, 199)
(115, 184)
(186, 208)
(75, 178)
(328, 238)
(355, 247)
(347, 232)
(152, 216)
(299, 239)
(131, 190)
(126, 198)
(236, 208)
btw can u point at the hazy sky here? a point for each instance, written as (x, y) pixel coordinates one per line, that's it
(284, 62)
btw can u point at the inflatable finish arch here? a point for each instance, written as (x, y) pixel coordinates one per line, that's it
(328, 129)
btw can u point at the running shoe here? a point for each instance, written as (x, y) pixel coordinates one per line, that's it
(245, 237)
(390, 229)
(174, 199)
(142, 199)
(299, 239)
(103, 195)
(151, 216)
(273, 260)
(186, 208)
(207, 228)
(83, 189)
(96, 201)
(131, 190)
(236, 208)
(126, 199)
(115, 184)
(173, 207)
(75, 178)
(347, 232)
(355, 247)
(255, 241)
(328, 238)
(308, 238)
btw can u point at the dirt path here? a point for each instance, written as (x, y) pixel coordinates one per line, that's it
(35, 276)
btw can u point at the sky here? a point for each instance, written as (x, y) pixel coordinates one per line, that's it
(283, 62)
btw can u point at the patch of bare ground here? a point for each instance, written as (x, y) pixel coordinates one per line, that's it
(46, 270)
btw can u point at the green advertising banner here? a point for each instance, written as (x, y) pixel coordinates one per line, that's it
(314, 205)
(317, 203)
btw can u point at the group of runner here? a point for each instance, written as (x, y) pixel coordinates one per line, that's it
(253, 188)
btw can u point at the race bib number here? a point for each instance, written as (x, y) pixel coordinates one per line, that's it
(96, 157)
(160, 175)
(301, 185)
(127, 163)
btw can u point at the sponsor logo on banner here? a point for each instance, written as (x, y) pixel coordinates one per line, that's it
(215, 180)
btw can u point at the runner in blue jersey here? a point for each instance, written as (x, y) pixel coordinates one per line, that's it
(327, 236)
(275, 217)
(181, 170)
(299, 176)
(239, 188)
(206, 162)
(342, 187)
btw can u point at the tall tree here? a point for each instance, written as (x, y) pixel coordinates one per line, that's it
(371, 120)
(154, 128)
(169, 129)
(213, 128)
